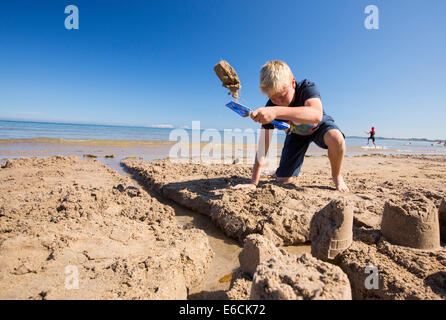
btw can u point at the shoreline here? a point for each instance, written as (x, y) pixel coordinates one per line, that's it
(42, 144)
(112, 152)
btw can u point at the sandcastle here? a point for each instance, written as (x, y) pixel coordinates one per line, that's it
(411, 222)
(442, 219)
(331, 230)
(256, 249)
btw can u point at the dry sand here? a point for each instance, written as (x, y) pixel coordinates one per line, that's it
(63, 211)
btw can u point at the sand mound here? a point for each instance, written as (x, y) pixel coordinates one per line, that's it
(228, 77)
(299, 278)
(400, 272)
(267, 272)
(62, 219)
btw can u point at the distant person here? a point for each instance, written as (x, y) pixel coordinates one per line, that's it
(372, 136)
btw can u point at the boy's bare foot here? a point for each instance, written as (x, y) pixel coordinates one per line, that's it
(248, 186)
(287, 180)
(340, 184)
(281, 180)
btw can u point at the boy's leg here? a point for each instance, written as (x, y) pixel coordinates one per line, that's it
(336, 150)
(330, 137)
(292, 158)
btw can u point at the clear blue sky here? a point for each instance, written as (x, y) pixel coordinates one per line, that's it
(151, 62)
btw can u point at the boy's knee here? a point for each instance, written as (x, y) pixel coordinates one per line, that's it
(334, 138)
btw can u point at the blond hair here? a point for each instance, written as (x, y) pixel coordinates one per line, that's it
(274, 76)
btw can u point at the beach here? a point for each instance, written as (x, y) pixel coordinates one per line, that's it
(159, 151)
(159, 229)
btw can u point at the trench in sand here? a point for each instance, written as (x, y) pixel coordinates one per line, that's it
(226, 250)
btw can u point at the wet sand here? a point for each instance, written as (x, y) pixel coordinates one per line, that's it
(152, 149)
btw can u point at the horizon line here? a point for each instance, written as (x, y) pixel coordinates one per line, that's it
(169, 126)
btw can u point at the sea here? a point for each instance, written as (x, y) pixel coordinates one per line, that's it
(28, 138)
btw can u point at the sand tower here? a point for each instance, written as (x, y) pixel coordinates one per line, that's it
(331, 230)
(442, 218)
(412, 222)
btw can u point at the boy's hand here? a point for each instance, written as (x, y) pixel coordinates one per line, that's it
(264, 115)
(249, 186)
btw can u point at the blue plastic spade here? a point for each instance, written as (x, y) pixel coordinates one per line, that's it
(245, 111)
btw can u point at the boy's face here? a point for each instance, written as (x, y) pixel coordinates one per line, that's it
(285, 96)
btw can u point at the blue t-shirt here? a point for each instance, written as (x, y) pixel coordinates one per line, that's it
(305, 90)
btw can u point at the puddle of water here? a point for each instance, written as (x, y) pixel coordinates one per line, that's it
(298, 250)
(226, 251)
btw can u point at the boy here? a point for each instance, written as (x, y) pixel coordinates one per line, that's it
(300, 104)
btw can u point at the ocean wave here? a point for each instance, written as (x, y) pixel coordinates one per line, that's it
(104, 142)
(375, 148)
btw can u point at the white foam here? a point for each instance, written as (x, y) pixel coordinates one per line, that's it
(373, 148)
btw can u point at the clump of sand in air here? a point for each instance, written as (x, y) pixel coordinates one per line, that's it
(228, 77)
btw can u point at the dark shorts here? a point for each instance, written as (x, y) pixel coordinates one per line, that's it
(295, 147)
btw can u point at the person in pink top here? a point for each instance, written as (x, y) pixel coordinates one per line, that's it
(372, 136)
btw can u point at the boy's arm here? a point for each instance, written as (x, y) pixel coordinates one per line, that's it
(262, 150)
(311, 114)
